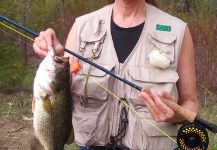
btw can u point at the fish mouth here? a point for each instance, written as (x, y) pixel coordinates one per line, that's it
(58, 65)
(61, 60)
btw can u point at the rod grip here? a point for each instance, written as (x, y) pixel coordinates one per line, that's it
(187, 114)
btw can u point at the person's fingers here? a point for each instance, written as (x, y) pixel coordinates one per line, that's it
(41, 41)
(158, 109)
(47, 39)
(167, 96)
(161, 110)
(151, 105)
(52, 41)
(50, 37)
(167, 112)
(39, 51)
(59, 48)
(161, 105)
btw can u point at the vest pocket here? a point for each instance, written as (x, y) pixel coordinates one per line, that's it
(156, 79)
(85, 123)
(168, 128)
(140, 133)
(91, 45)
(159, 80)
(88, 107)
(86, 85)
(165, 45)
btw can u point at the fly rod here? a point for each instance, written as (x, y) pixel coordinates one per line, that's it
(187, 114)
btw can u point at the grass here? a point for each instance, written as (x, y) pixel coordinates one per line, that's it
(15, 106)
(16, 86)
(15, 77)
(71, 147)
(208, 112)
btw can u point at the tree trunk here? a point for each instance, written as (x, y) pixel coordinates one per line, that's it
(62, 19)
(24, 21)
(184, 6)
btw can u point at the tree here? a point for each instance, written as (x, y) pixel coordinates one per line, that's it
(184, 6)
(24, 18)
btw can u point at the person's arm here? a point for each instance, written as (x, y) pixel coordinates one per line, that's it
(71, 42)
(186, 87)
(187, 79)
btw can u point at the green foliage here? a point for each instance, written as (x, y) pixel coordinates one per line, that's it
(208, 112)
(59, 15)
(15, 106)
(13, 75)
(202, 21)
(71, 147)
(7, 6)
(204, 6)
(168, 5)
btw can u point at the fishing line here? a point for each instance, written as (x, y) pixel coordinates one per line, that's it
(21, 40)
(74, 54)
(113, 94)
(190, 140)
(131, 108)
(17, 31)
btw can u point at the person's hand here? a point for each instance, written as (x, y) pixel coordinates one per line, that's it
(158, 109)
(44, 40)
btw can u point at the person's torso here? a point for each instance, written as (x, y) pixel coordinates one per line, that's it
(96, 111)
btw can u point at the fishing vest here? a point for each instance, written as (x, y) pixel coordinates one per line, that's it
(96, 112)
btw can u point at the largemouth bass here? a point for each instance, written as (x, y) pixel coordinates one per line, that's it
(52, 109)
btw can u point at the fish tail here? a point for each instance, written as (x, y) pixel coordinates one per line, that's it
(71, 137)
(35, 144)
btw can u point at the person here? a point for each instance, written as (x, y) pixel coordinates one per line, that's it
(141, 43)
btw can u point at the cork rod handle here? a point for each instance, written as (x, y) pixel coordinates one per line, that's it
(187, 114)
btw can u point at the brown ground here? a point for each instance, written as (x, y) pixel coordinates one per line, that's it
(16, 123)
(15, 135)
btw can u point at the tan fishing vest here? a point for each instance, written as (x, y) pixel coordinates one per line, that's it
(96, 113)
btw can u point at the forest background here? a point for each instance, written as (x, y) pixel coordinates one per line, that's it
(18, 62)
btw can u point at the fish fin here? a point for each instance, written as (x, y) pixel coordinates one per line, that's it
(47, 105)
(71, 137)
(35, 144)
(33, 105)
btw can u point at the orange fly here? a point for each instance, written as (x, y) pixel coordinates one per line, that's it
(75, 67)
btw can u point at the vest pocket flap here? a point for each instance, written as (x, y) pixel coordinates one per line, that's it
(154, 75)
(93, 71)
(93, 38)
(88, 88)
(165, 43)
(91, 46)
(162, 38)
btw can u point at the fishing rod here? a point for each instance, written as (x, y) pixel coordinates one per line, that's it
(76, 55)
(193, 132)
